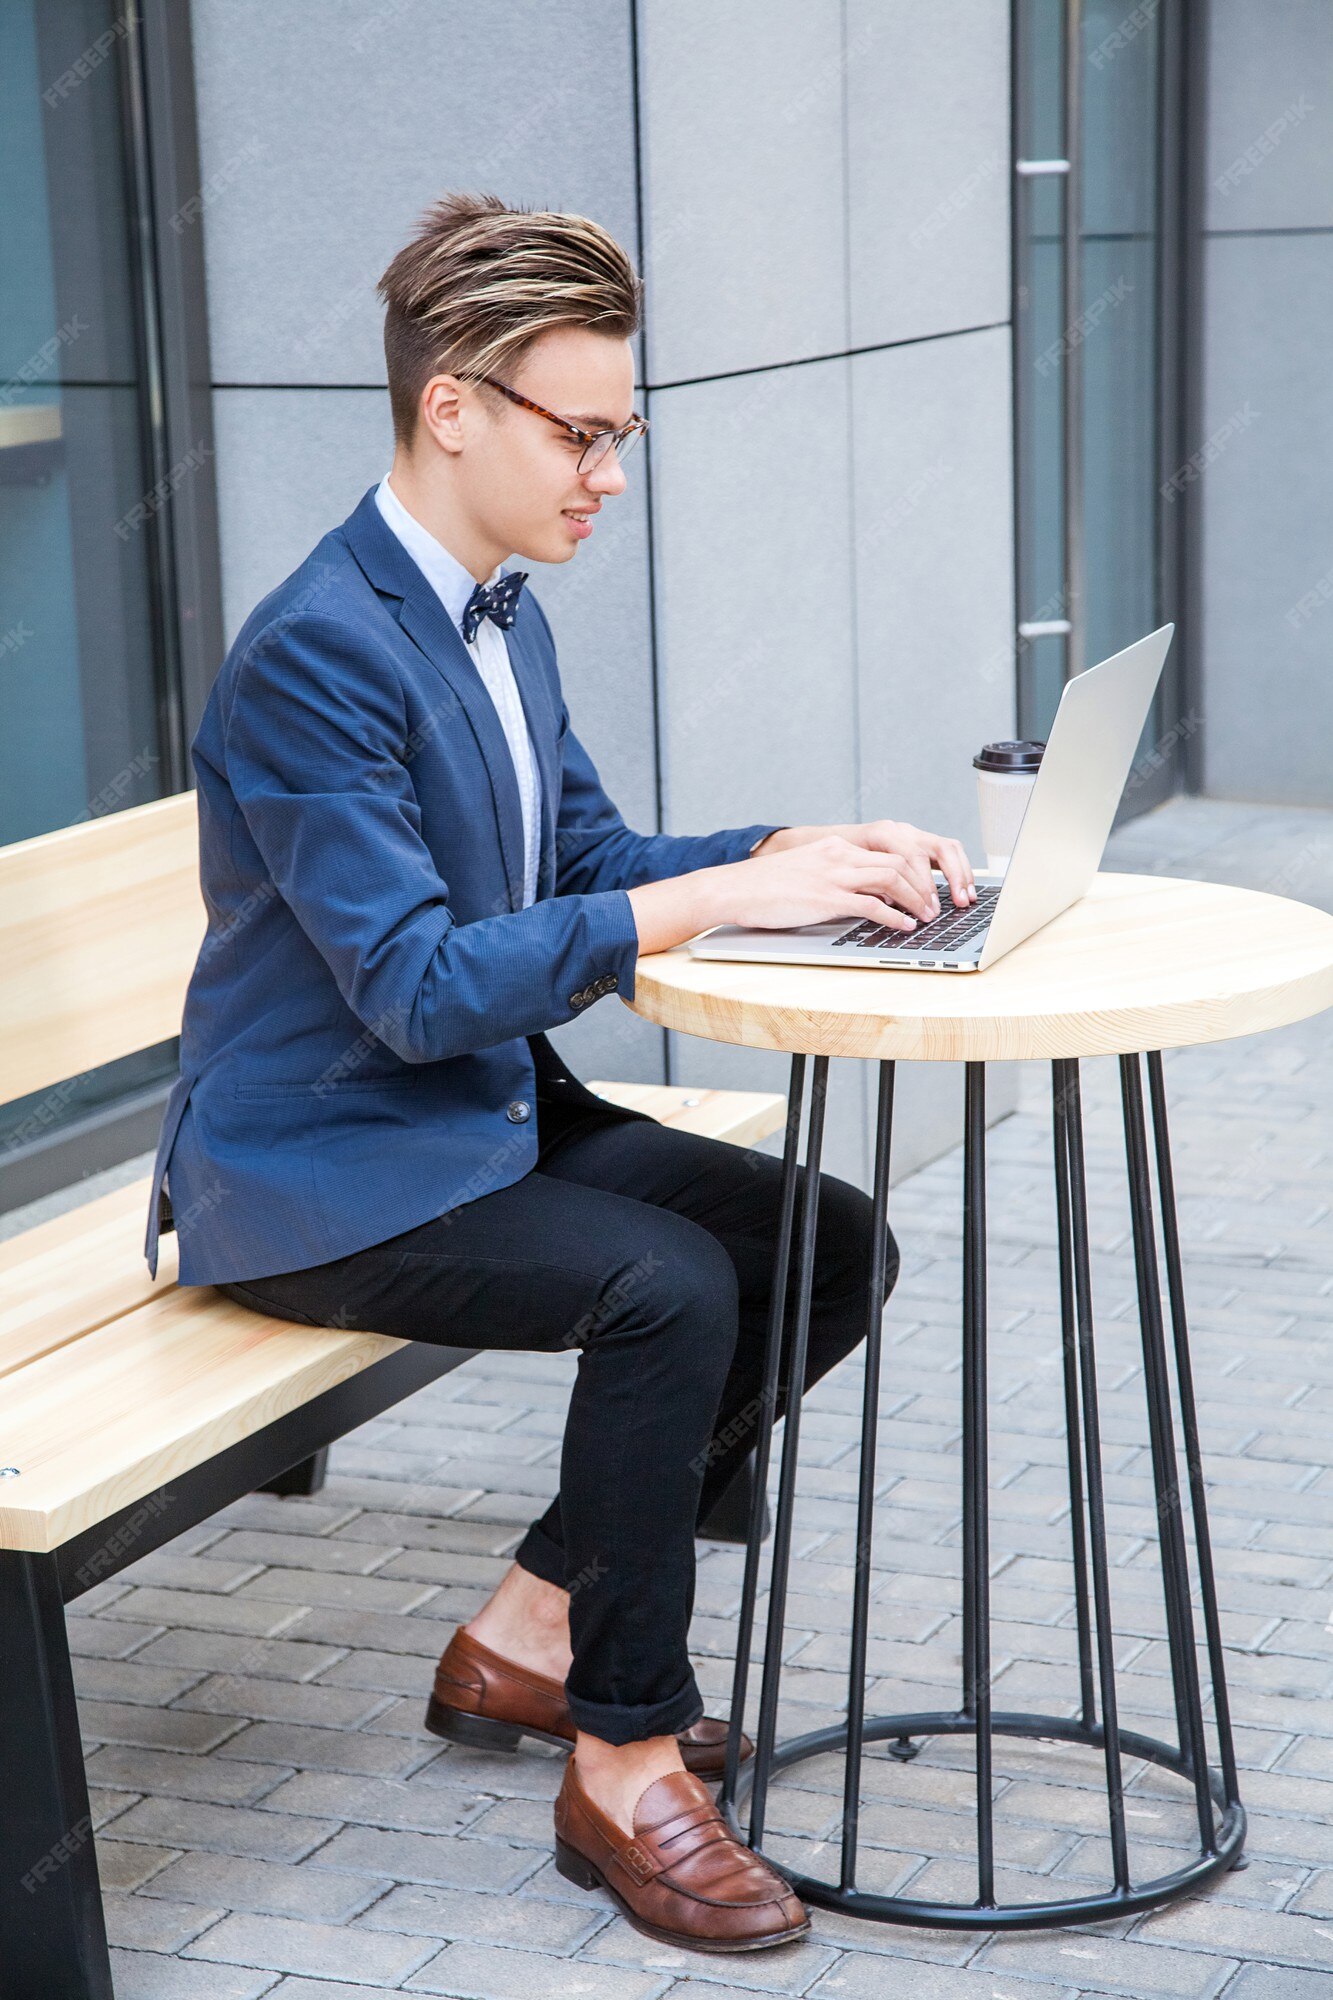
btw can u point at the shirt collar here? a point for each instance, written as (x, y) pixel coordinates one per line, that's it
(451, 580)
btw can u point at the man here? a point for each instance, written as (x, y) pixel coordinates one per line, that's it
(412, 871)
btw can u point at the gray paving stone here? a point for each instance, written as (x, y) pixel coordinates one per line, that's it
(527, 1822)
(141, 1975)
(485, 1972)
(420, 1636)
(400, 1716)
(154, 1728)
(328, 1989)
(437, 1859)
(341, 1593)
(431, 1498)
(427, 1565)
(265, 1888)
(106, 1807)
(783, 1969)
(469, 1544)
(293, 1513)
(859, 1976)
(328, 1749)
(226, 1653)
(259, 1547)
(190, 1823)
(421, 1807)
(1103, 1964)
(1274, 1935)
(154, 1606)
(224, 1781)
(532, 1772)
(283, 1944)
(1279, 1982)
(142, 1923)
(102, 1596)
(181, 1572)
(271, 1700)
(126, 1865)
(133, 1681)
(105, 1638)
(420, 1911)
(401, 1674)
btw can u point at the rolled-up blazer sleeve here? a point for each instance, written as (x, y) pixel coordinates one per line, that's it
(314, 739)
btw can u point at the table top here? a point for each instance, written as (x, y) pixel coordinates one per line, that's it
(1141, 962)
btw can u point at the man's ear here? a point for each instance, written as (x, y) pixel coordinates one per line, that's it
(440, 411)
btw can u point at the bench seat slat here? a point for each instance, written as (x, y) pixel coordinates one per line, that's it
(105, 1420)
(742, 1116)
(75, 1272)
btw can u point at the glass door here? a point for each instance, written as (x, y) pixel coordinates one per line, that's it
(1095, 258)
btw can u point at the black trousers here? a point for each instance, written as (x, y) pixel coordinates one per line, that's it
(649, 1252)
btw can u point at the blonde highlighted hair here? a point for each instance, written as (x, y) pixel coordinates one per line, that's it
(480, 283)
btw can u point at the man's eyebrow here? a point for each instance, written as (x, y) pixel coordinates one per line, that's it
(587, 422)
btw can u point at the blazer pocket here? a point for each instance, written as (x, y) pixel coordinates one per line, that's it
(321, 1088)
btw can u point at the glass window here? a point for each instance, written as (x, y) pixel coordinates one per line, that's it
(108, 561)
(78, 657)
(1090, 287)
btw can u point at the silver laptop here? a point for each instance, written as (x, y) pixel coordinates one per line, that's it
(1079, 785)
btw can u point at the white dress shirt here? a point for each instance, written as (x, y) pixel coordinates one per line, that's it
(454, 584)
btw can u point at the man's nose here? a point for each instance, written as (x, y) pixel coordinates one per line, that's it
(609, 477)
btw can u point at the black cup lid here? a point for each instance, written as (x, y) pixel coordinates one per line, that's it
(1010, 758)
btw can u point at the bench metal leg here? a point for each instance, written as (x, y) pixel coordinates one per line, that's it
(52, 1934)
(306, 1478)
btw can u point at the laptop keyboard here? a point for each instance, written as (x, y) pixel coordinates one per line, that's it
(951, 928)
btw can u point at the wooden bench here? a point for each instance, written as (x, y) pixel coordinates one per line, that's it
(130, 1408)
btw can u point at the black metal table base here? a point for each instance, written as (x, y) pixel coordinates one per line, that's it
(1219, 1816)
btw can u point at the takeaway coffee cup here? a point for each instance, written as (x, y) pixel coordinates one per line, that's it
(1006, 773)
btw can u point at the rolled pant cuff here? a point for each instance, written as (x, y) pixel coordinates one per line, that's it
(616, 1723)
(542, 1557)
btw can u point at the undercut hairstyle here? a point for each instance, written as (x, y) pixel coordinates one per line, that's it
(479, 284)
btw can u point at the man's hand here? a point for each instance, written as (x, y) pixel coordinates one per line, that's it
(810, 875)
(918, 852)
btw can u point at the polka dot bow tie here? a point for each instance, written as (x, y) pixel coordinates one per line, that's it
(497, 601)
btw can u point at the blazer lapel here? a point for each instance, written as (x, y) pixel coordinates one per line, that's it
(391, 570)
(428, 624)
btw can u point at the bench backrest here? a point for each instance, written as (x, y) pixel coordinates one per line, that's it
(100, 926)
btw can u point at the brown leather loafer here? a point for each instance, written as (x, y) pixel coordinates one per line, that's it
(485, 1700)
(683, 1877)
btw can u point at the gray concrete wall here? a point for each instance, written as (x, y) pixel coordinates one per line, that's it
(825, 362)
(1267, 552)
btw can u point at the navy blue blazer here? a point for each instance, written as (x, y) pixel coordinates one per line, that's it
(355, 1052)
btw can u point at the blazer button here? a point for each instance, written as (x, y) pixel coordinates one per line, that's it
(518, 1111)
(578, 999)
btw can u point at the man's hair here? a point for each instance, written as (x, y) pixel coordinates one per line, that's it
(480, 283)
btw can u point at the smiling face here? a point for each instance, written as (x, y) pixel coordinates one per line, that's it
(513, 481)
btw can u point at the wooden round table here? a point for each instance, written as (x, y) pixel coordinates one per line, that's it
(1140, 964)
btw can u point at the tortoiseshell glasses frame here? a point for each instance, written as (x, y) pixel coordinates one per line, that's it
(595, 444)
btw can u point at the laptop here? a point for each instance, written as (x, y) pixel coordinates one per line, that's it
(1079, 785)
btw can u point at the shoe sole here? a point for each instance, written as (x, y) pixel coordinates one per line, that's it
(483, 1732)
(585, 1874)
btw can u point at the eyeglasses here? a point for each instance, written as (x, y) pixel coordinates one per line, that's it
(595, 444)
